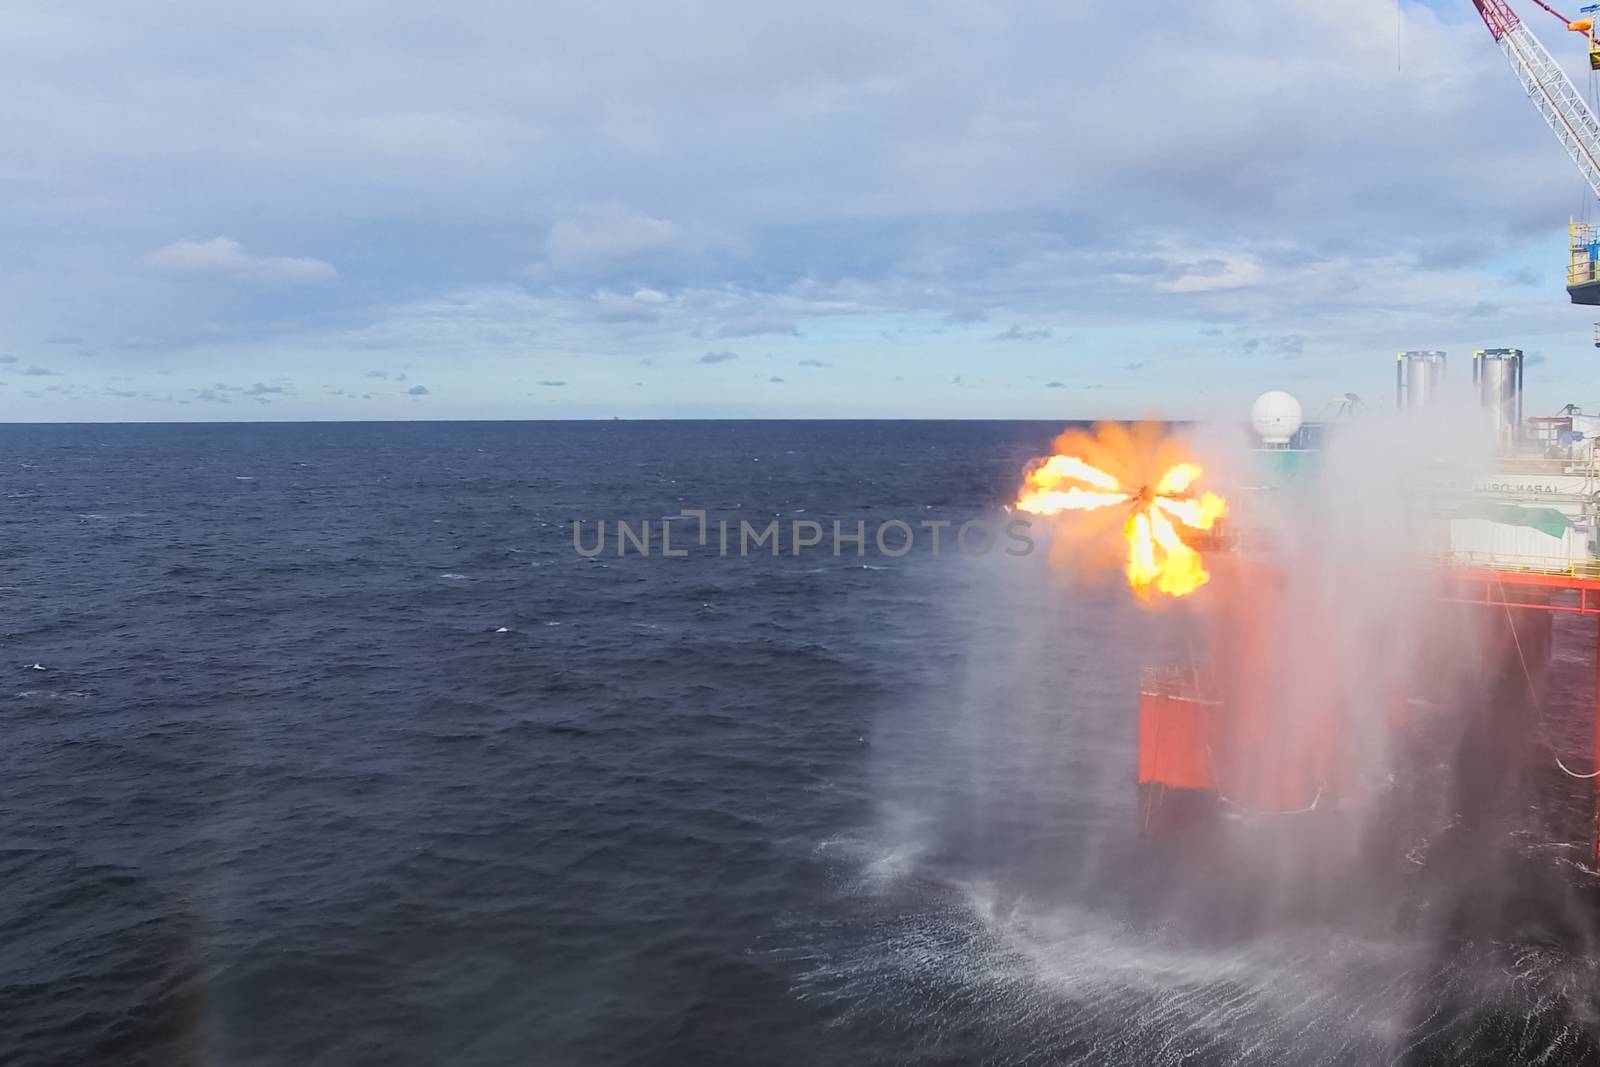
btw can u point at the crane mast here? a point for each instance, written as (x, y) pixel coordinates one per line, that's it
(1568, 115)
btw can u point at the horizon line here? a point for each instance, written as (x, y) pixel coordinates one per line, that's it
(595, 419)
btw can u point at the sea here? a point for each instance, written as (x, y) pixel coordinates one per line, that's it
(330, 744)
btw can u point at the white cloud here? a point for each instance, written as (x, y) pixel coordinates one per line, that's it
(224, 257)
(608, 235)
(848, 172)
(1203, 273)
(616, 308)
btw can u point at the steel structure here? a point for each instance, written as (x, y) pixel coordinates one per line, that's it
(1190, 718)
(1512, 590)
(1564, 110)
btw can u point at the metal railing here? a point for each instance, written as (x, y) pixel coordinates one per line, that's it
(1580, 262)
(1558, 566)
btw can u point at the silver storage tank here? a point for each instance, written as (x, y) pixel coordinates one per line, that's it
(1498, 375)
(1418, 377)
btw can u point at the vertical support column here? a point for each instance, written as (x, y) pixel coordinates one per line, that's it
(1595, 836)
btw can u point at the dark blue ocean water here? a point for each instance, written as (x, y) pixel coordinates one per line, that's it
(340, 754)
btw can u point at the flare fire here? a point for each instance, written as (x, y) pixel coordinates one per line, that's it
(1114, 466)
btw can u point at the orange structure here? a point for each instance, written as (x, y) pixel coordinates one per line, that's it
(1239, 727)
(1231, 732)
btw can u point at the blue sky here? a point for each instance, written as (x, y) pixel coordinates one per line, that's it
(1034, 210)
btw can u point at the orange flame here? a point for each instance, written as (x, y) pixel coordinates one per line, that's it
(1089, 472)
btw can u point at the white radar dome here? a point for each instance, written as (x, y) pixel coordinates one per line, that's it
(1276, 417)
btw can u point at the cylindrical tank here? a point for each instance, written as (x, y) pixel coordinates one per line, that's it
(1498, 374)
(1418, 377)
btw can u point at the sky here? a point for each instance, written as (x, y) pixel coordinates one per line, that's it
(921, 209)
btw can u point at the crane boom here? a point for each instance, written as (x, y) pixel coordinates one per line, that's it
(1547, 85)
(1568, 115)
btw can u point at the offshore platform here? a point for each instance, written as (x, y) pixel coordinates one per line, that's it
(1264, 721)
(1507, 554)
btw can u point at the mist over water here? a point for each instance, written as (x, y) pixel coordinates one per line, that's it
(343, 755)
(1436, 905)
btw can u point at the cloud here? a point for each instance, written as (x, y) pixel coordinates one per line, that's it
(775, 380)
(814, 363)
(606, 235)
(1055, 385)
(854, 174)
(757, 326)
(377, 374)
(36, 371)
(1017, 333)
(1286, 346)
(1137, 365)
(551, 382)
(615, 307)
(223, 257)
(1220, 271)
(222, 393)
(417, 390)
(8, 359)
(718, 357)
